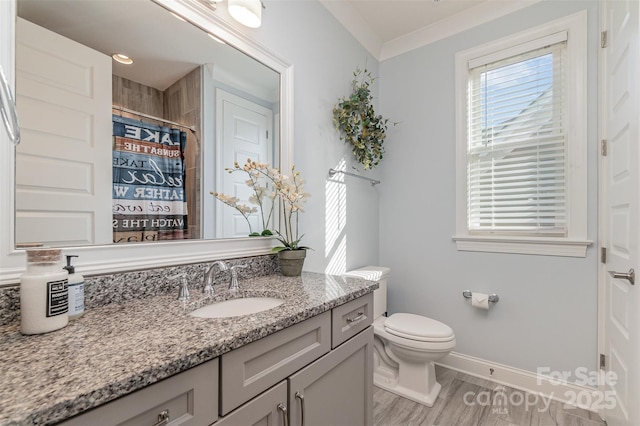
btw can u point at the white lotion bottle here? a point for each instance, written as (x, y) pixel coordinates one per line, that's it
(44, 298)
(76, 290)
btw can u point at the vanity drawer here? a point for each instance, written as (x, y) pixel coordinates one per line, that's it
(191, 398)
(253, 368)
(350, 319)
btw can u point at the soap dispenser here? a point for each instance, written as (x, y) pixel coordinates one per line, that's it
(43, 292)
(76, 290)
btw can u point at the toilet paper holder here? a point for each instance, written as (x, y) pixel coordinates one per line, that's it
(493, 298)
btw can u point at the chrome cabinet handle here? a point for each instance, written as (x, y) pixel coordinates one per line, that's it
(359, 316)
(629, 276)
(8, 110)
(283, 409)
(301, 398)
(163, 418)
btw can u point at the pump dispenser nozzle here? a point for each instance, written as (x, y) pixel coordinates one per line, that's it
(70, 268)
(75, 289)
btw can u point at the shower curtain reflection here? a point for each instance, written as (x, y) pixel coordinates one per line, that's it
(149, 199)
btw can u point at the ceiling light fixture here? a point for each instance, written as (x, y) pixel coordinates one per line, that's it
(123, 59)
(246, 12)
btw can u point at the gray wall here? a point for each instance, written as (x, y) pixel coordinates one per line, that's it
(341, 220)
(547, 315)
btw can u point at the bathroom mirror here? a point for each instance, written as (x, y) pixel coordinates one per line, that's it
(98, 258)
(128, 153)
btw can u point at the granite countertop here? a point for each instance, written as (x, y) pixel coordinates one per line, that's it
(119, 348)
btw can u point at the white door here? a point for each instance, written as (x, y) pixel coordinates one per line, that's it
(620, 213)
(244, 131)
(63, 164)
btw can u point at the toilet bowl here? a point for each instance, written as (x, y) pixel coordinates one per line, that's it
(405, 346)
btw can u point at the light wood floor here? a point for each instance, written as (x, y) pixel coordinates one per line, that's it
(467, 400)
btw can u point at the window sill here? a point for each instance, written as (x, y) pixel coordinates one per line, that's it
(524, 245)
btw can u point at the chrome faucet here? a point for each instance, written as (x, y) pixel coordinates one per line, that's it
(233, 282)
(209, 277)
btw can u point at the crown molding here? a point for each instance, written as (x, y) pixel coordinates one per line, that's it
(472, 17)
(477, 15)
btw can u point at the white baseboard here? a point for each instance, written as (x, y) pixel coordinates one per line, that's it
(545, 386)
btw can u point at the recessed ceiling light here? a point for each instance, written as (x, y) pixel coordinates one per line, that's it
(123, 59)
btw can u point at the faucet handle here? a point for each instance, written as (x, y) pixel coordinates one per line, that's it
(222, 265)
(234, 267)
(183, 293)
(234, 270)
(233, 282)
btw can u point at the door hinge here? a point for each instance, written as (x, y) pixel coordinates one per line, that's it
(603, 255)
(603, 147)
(603, 39)
(602, 361)
(267, 133)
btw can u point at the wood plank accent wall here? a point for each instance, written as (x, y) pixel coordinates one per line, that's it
(138, 97)
(183, 104)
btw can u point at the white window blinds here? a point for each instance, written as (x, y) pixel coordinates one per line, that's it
(516, 141)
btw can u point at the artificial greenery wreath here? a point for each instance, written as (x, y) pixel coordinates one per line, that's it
(358, 124)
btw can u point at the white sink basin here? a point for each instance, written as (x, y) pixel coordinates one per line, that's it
(237, 307)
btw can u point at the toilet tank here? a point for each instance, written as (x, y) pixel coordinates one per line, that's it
(379, 274)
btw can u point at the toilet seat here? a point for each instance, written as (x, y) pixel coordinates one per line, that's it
(418, 328)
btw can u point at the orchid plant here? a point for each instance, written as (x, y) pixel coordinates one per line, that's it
(270, 185)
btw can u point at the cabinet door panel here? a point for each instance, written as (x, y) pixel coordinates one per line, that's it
(260, 411)
(251, 369)
(337, 388)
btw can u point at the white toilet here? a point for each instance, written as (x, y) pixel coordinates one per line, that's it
(405, 345)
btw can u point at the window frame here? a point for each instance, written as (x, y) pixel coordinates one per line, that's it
(575, 242)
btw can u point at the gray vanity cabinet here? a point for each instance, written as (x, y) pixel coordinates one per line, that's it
(326, 361)
(316, 372)
(251, 369)
(337, 389)
(188, 398)
(334, 390)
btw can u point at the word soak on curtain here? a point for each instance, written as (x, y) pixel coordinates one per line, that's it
(148, 182)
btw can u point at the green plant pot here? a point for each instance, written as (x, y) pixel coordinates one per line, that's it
(291, 262)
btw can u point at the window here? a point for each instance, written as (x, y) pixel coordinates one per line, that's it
(521, 143)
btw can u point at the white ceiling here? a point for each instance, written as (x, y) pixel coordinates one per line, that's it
(164, 48)
(387, 28)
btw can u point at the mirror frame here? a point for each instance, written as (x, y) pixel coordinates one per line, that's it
(104, 259)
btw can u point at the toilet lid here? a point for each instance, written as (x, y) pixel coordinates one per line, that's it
(417, 327)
